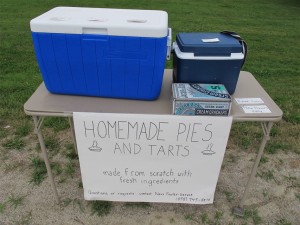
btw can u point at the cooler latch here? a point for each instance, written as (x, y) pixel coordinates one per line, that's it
(169, 43)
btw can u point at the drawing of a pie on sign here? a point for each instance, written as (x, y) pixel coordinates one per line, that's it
(95, 147)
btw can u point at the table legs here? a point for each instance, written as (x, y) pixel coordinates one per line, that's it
(73, 133)
(266, 126)
(38, 121)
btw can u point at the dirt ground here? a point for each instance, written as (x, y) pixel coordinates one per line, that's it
(273, 198)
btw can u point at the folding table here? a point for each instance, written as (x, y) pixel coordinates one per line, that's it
(44, 104)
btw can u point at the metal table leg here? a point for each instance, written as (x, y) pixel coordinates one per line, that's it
(73, 134)
(266, 126)
(38, 121)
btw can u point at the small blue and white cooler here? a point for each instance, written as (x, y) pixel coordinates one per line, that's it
(209, 58)
(118, 53)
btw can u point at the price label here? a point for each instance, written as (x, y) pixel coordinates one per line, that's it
(244, 101)
(256, 109)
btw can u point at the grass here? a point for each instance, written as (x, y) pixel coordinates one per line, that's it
(8, 167)
(265, 193)
(264, 159)
(101, 208)
(15, 201)
(56, 123)
(70, 151)
(297, 196)
(218, 217)
(142, 205)
(172, 220)
(52, 143)
(56, 168)
(246, 135)
(232, 158)
(69, 169)
(275, 147)
(24, 129)
(229, 196)
(283, 222)
(3, 133)
(80, 184)
(266, 175)
(75, 202)
(14, 143)
(204, 218)
(253, 215)
(189, 217)
(39, 171)
(2, 207)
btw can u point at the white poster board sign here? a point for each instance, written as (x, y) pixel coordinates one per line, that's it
(150, 158)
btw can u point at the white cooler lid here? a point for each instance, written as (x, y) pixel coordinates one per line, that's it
(118, 22)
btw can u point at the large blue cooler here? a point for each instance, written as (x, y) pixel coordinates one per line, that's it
(116, 53)
(211, 58)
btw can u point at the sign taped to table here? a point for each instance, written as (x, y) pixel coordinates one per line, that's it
(150, 158)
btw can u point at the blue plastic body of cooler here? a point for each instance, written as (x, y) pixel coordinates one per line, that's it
(101, 65)
(207, 72)
(208, 58)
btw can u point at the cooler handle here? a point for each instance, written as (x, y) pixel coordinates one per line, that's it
(241, 40)
(169, 43)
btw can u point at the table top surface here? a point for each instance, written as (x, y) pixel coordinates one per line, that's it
(43, 103)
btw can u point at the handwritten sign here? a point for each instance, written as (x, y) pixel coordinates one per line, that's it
(256, 109)
(150, 158)
(244, 101)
